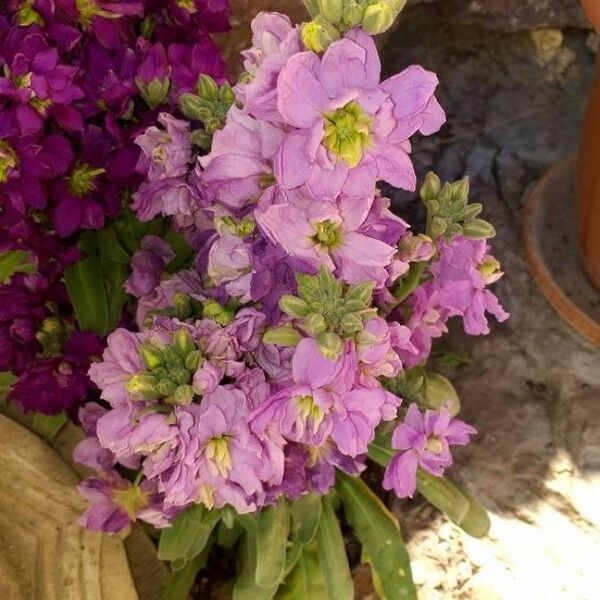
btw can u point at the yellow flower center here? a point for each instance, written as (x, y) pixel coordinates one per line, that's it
(82, 179)
(217, 452)
(328, 234)
(8, 160)
(310, 411)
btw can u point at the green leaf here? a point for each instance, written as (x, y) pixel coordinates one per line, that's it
(440, 392)
(110, 246)
(183, 251)
(305, 581)
(87, 293)
(332, 556)
(180, 582)
(306, 515)
(379, 533)
(246, 586)
(188, 535)
(115, 275)
(227, 537)
(460, 507)
(272, 528)
(48, 426)
(15, 261)
(6, 380)
(409, 282)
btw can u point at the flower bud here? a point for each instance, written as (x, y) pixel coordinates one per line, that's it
(220, 314)
(183, 395)
(319, 34)
(193, 360)
(182, 304)
(171, 357)
(184, 342)
(147, 26)
(331, 9)
(282, 336)
(143, 386)
(226, 94)
(151, 355)
(378, 18)
(360, 293)
(154, 92)
(478, 229)
(460, 189)
(330, 345)
(352, 14)
(293, 306)
(351, 323)
(207, 88)
(312, 6)
(440, 392)
(438, 227)
(431, 188)
(195, 108)
(166, 387)
(315, 323)
(180, 375)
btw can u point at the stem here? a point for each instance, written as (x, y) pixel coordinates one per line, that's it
(410, 282)
(138, 478)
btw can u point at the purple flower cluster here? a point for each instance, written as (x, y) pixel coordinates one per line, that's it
(259, 370)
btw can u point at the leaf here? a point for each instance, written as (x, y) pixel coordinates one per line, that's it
(110, 246)
(183, 251)
(459, 506)
(306, 515)
(87, 293)
(115, 275)
(48, 426)
(379, 533)
(6, 380)
(439, 392)
(272, 528)
(15, 261)
(305, 582)
(188, 535)
(246, 586)
(332, 556)
(180, 582)
(227, 537)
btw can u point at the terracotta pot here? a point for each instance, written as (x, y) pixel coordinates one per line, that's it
(588, 170)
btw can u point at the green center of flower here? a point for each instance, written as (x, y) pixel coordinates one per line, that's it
(347, 132)
(28, 16)
(188, 5)
(434, 445)
(88, 9)
(217, 452)
(131, 500)
(23, 81)
(490, 269)
(310, 411)
(82, 179)
(8, 160)
(328, 234)
(169, 370)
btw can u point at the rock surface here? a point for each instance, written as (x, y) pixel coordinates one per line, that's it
(532, 389)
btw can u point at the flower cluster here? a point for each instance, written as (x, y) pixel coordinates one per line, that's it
(79, 81)
(259, 369)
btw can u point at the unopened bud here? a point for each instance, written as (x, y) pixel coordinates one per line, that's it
(330, 345)
(182, 304)
(315, 323)
(184, 395)
(147, 26)
(154, 92)
(438, 227)
(460, 189)
(352, 14)
(431, 188)
(180, 375)
(351, 323)
(195, 108)
(439, 392)
(319, 34)
(282, 336)
(207, 88)
(143, 386)
(378, 18)
(184, 342)
(151, 355)
(478, 229)
(226, 94)
(293, 306)
(193, 360)
(331, 9)
(213, 310)
(360, 293)
(166, 387)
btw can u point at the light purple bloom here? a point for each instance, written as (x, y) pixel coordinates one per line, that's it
(329, 234)
(229, 265)
(425, 442)
(169, 197)
(350, 130)
(148, 264)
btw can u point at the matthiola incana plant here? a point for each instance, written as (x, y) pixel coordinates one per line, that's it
(280, 315)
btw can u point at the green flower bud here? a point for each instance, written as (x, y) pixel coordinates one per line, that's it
(147, 26)
(183, 395)
(440, 392)
(312, 7)
(331, 9)
(160, 373)
(478, 229)
(330, 344)
(360, 294)
(195, 108)
(207, 88)
(143, 386)
(151, 355)
(155, 92)
(315, 323)
(182, 304)
(431, 188)
(213, 124)
(438, 227)
(378, 18)
(220, 314)
(460, 189)
(352, 14)
(319, 34)
(180, 375)
(166, 387)
(471, 211)
(308, 287)
(184, 342)
(172, 358)
(193, 360)
(351, 323)
(282, 336)
(293, 306)
(226, 94)
(201, 138)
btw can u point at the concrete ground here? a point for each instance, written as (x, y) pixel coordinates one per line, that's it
(532, 388)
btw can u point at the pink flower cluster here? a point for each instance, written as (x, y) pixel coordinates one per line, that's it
(259, 369)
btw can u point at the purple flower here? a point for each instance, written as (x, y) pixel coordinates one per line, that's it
(169, 197)
(274, 41)
(166, 153)
(148, 264)
(229, 265)
(425, 442)
(248, 328)
(152, 78)
(350, 130)
(238, 168)
(329, 234)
